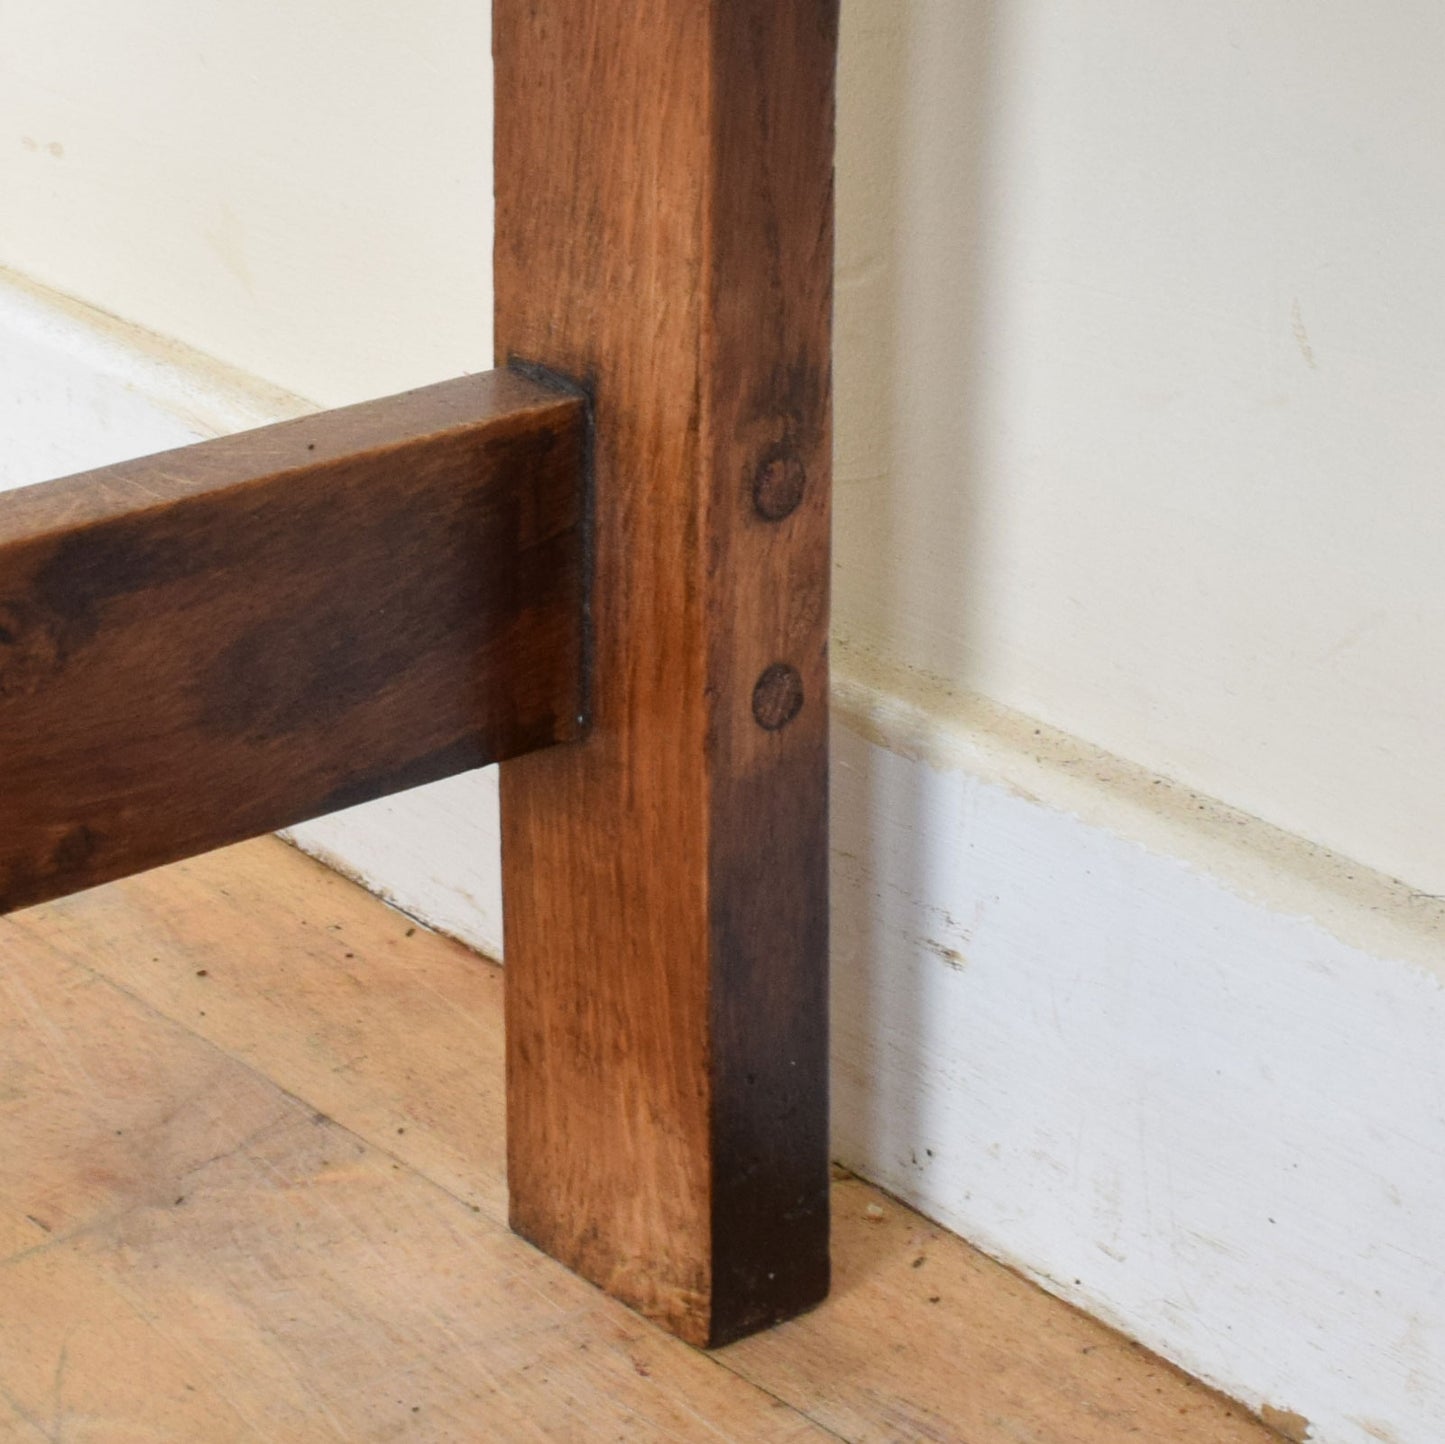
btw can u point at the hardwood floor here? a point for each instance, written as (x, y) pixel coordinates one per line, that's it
(253, 1189)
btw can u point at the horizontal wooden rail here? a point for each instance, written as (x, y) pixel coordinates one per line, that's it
(219, 641)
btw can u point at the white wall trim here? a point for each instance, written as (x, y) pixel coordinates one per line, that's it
(202, 394)
(1182, 1068)
(922, 718)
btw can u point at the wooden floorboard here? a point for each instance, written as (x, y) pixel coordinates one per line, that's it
(254, 1190)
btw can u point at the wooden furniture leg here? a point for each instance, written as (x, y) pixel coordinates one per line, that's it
(664, 235)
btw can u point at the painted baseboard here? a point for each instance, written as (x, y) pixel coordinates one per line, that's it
(1183, 1069)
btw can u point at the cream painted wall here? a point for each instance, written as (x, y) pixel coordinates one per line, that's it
(1141, 330)
(302, 190)
(1142, 387)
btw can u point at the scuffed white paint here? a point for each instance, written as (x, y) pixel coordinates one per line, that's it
(1214, 1125)
(1181, 1068)
(923, 718)
(434, 853)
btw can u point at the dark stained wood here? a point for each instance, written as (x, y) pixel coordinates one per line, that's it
(664, 235)
(218, 641)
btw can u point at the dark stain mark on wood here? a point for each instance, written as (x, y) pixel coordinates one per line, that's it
(779, 483)
(777, 697)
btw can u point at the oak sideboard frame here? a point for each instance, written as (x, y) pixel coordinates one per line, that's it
(604, 565)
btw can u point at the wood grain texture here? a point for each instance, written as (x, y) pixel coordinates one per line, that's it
(254, 1189)
(218, 641)
(664, 234)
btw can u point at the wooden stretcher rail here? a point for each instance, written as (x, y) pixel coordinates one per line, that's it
(212, 643)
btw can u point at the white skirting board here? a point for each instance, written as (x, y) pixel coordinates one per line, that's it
(1205, 1103)
(1186, 1071)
